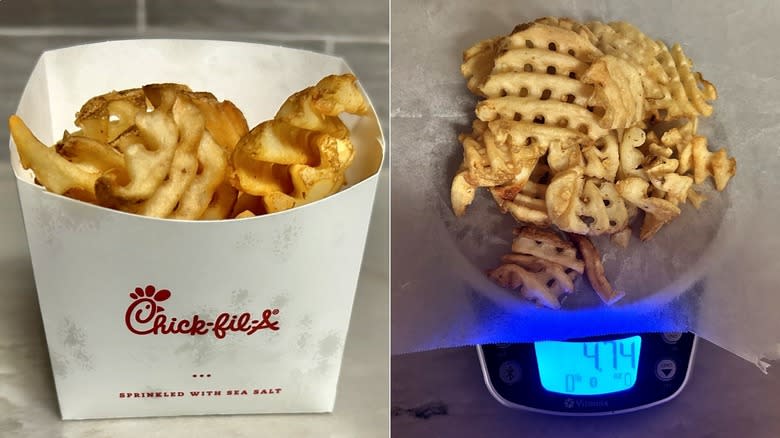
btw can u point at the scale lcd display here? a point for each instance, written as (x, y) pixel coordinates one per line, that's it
(588, 368)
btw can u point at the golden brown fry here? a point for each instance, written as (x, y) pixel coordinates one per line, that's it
(602, 159)
(523, 207)
(609, 114)
(178, 160)
(304, 152)
(618, 91)
(212, 169)
(277, 142)
(184, 164)
(247, 202)
(221, 203)
(146, 168)
(478, 63)
(562, 199)
(278, 201)
(56, 173)
(316, 108)
(124, 111)
(91, 154)
(131, 136)
(224, 121)
(462, 193)
(336, 94)
(244, 214)
(635, 191)
(696, 198)
(511, 276)
(537, 265)
(162, 96)
(578, 119)
(94, 117)
(630, 158)
(547, 245)
(594, 270)
(312, 184)
(715, 164)
(259, 177)
(475, 159)
(650, 226)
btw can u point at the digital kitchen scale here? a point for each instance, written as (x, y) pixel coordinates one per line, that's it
(591, 376)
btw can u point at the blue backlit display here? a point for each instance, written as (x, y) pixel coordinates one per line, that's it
(588, 368)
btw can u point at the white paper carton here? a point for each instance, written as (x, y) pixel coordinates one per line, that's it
(150, 317)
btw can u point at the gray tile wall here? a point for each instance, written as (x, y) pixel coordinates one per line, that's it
(356, 30)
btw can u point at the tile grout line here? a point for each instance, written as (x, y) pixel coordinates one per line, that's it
(329, 46)
(65, 31)
(140, 16)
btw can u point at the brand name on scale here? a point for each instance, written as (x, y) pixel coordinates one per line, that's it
(571, 403)
(146, 316)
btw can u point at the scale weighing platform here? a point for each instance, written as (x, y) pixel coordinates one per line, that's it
(592, 376)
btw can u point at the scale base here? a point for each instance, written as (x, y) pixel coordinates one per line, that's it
(511, 374)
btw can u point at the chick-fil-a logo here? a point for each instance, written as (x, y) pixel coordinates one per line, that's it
(145, 316)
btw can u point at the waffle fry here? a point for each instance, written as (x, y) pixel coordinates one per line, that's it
(546, 245)
(635, 191)
(51, 169)
(89, 154)
(147, 168)
(541, 267)
(681, 140)
(672, 90)
(697, 161)
(525, 202)
(617, 91)
(559, 116)
(585, 206)
(595, 270)
(582, 127)
(562, 275)
(462, 193)
(478, 63)
(526, 205)
(95, 116)
(602, 159)
(696, 198)
(301, 155)
(479, 172)
(545, 283)
(715, 164)
(626, 42)
(528, 84)
(569, 24)
(630, 158)
(212, 161)
(166, 151)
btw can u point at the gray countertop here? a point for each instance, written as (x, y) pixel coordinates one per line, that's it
(28, 404)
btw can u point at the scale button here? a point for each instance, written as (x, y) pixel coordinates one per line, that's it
(510, 372)
(666, 369)
(671, 338)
